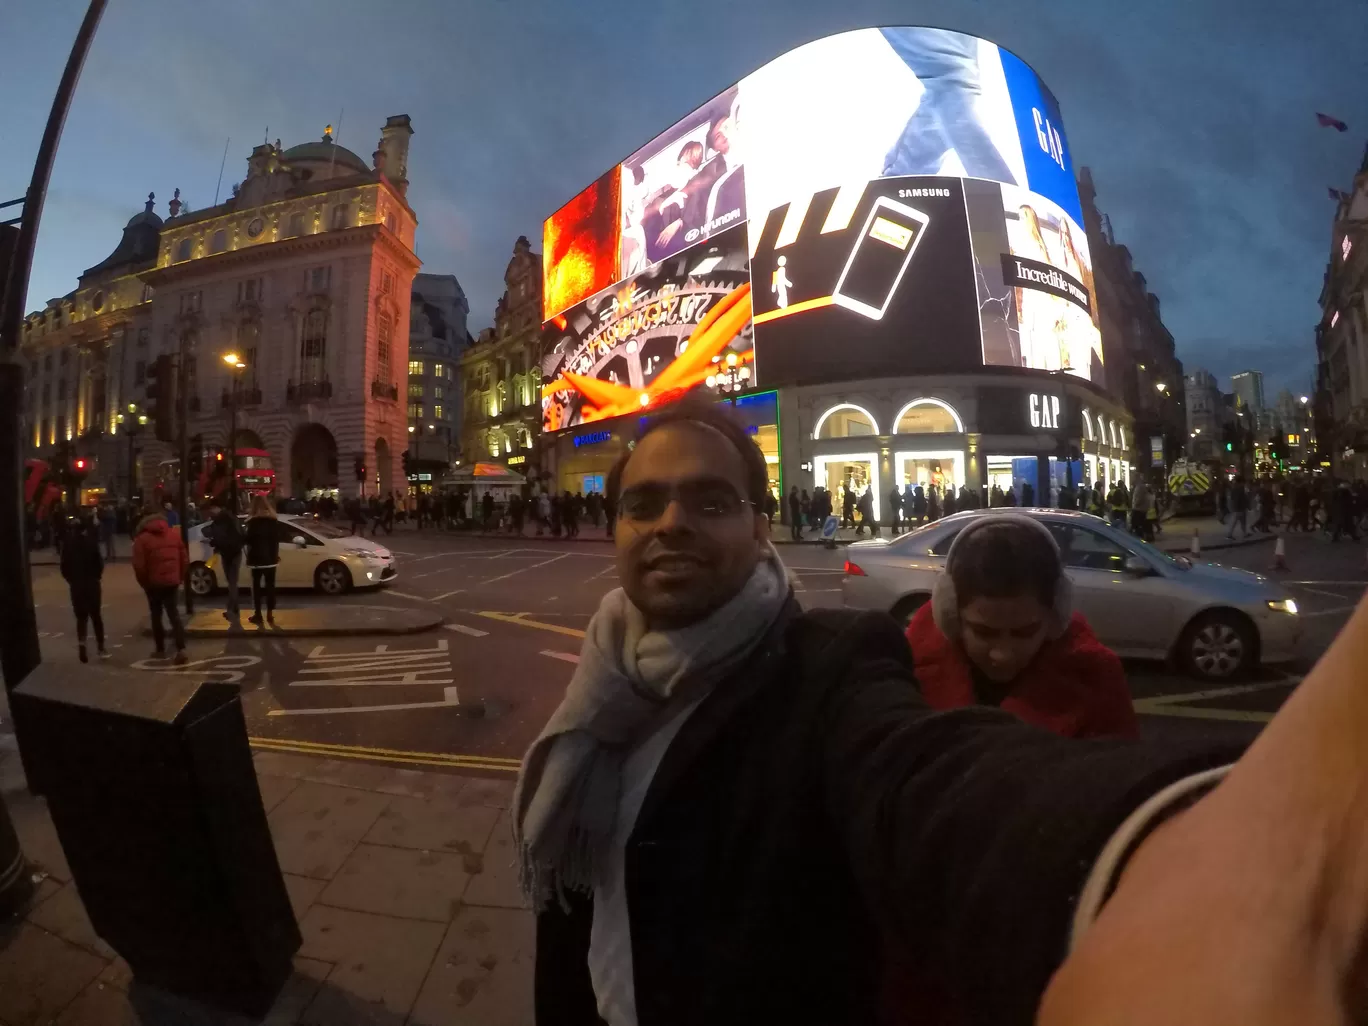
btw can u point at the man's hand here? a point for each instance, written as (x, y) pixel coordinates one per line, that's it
(1250, 908)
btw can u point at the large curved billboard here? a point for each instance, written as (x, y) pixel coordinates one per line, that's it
(907, 204)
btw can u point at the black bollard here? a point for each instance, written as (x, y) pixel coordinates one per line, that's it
(150, 783)
(15, 882)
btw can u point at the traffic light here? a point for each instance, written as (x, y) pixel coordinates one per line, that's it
(1229, 447)
(79, 467)
(404, 458)
(161, 396)
(359, 466)
(196, 457)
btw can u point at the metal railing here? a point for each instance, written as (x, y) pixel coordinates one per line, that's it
(308, 391)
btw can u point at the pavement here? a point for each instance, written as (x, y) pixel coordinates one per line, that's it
(403, 882)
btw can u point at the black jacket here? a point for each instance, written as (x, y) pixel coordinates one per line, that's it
(81, 559)
(813, 801)
(225, 534)
(263, 541)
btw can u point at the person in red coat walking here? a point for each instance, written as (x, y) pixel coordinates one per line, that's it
(1000, 631)
(159, 562)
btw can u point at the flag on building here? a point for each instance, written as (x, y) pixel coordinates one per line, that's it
(1336, 195)
(1326, 121)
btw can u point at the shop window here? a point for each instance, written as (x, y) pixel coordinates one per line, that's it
(845, 421)
(928, 417)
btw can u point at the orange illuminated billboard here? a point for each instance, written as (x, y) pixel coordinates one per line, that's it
(582, 243)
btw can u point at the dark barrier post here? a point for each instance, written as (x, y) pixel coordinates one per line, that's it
(15, 881)
(150, 783)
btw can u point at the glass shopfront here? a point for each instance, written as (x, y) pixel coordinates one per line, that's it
(943, 469)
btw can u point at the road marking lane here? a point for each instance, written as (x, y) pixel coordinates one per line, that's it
(1175, 705)
(448, 594)
(378, 668)
(450, 698)
(407, 595)
(568, 657)
(522, 621)
(1333, 611)
(523, 569)
(1342, 584)
(461, 628)
(484, 762)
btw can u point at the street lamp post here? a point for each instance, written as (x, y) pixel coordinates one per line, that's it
(236, 366)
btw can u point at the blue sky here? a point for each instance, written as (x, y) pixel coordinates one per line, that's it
(1197, 117)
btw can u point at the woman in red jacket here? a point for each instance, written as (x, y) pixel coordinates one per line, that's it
(1000, 630)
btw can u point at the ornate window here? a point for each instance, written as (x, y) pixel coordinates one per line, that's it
(183, 250)
(218, 242)
(313, 347)
(384, 333)
(249, 334)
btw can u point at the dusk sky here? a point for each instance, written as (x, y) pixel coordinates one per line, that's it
(1197, 117)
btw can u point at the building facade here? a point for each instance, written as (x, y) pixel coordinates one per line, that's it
(438, 338)
(1143, 369)
(1205, 410)
(1249, 386)
(304, 273)
(1341, 404)
(500, 375)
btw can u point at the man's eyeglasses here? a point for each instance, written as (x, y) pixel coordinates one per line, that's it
(704, 500)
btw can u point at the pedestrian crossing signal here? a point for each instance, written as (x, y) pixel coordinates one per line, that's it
(1229, 447)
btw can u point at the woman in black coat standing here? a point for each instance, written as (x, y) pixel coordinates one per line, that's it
(82, 567)
(263, 556)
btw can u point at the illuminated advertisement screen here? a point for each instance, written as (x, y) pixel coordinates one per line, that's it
(582, 246)
(683, 322)
(908, 202)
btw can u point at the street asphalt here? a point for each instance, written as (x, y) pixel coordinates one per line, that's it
(472, 692)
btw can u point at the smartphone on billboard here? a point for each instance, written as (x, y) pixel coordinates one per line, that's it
(879, 258)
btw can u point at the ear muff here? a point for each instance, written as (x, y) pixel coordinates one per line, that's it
(945, 600)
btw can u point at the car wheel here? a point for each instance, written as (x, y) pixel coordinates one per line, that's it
(332, 578)
(202, 582)
(907, 607)
(1218, 646)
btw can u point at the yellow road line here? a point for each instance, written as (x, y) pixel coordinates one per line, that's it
(386, 755)
(522, 621)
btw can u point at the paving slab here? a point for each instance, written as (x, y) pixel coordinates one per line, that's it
(318, 825)
(482, 975)
(436, 824)
(303, 892)
(208, 621)
(40, 974)
(379, 965)
(65, 915)
(496, 884)
(402, 882)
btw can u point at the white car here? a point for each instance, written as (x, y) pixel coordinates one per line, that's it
(1142, 603)
(313, 554)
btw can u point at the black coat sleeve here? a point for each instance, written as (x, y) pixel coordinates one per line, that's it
(969, 832)
(563, 992)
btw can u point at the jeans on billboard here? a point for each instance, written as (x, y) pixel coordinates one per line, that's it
(946, 118)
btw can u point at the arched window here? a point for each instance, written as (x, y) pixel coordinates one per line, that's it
(1088, 425)
(928, 416)
(845, 420)
(384, 333)
(313, 348)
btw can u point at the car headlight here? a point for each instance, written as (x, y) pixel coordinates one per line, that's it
(1283, 606)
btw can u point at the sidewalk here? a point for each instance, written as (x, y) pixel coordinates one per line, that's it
(403, 883)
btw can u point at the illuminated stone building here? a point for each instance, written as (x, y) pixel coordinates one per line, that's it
(304, 271)
(501, 413)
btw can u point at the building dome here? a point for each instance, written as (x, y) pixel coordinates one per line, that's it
(137, 249)
(322, 155)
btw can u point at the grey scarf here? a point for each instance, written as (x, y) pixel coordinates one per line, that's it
(629, 682)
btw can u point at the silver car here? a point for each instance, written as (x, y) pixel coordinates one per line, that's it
(1142, 603)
